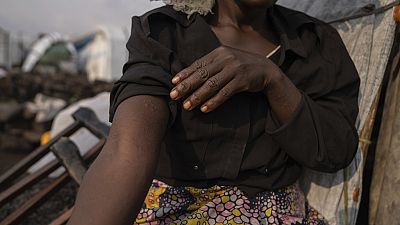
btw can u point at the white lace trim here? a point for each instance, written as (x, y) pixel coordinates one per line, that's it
(189, 7)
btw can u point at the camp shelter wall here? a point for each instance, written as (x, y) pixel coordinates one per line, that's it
(4, 49)
(384, 204)
(12, 48)
(369, 40)
(106, 54)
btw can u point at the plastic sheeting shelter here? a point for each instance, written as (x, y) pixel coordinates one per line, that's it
(369, 41)
(106, 54)
(62, 50)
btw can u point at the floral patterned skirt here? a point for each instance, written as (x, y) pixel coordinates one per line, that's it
(165, 204)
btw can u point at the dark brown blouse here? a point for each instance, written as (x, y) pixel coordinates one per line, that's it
(241, 143)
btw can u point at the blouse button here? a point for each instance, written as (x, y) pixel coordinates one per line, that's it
(195, 167)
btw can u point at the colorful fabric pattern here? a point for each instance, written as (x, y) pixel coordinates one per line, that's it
(225, 205)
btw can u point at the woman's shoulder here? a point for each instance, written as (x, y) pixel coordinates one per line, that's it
(164, 15)
(300, 21)
(315, 34)
(160, 24)
(298, 18)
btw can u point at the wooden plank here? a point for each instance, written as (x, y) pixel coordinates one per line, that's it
(68, 153)
(365, 134)
(91, 155)
(63, 219)
(21, 167)
(44, 194)
(90, 121)
(27, 182)
(18, 215)
(34, 178)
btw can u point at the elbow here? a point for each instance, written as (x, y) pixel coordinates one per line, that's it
(347, 154)
(336, 156)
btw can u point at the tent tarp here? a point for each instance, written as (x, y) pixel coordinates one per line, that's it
(384, 194)
(106, 54)
(369, 41)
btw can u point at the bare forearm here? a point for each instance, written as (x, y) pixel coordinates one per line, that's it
(116, 184)
(283, 97)
(103, 198)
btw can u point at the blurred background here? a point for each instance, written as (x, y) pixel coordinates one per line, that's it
(66, 50)
(54, 54)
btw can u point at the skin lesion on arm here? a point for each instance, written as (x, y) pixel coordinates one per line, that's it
(116, 184)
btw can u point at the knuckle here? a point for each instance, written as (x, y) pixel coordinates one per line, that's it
(230, 57)
(229, 68)
(240, 83)
(222, 48)
(184, 86)
(199, 64)
(195, 98)
(226, 93)
(241, 69)
(236, 61)
(203, 73)
(213, 83)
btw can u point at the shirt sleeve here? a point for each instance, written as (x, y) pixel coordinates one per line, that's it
(321, 134)
(147, 71)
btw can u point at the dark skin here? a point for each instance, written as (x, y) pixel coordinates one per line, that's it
(116, 184)
(239, 64)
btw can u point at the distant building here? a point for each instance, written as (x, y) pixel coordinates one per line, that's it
(12, 48)
(5, 60)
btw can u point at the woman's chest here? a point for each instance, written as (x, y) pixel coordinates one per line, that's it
(260, 43)
(242, 117)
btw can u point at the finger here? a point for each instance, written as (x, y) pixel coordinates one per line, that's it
(222, 96)
(209, 88)
(195, 80)
(183, 74)
(199, 63)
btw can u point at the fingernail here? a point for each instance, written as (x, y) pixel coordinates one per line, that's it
(187, 105)
(175, 80)
(204, 108)
(173, 94)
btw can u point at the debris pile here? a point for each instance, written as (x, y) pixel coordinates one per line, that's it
(28, 104)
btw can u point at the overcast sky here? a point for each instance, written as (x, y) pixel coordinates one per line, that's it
(69, 16)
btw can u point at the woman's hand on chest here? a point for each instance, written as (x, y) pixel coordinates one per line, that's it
(214, 78)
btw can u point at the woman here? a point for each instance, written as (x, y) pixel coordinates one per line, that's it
(212, 129)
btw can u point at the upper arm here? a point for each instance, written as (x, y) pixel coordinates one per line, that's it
(118, 180)
(140, 119)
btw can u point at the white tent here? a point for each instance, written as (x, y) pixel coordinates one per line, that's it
(106, 54)
(42, 45)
